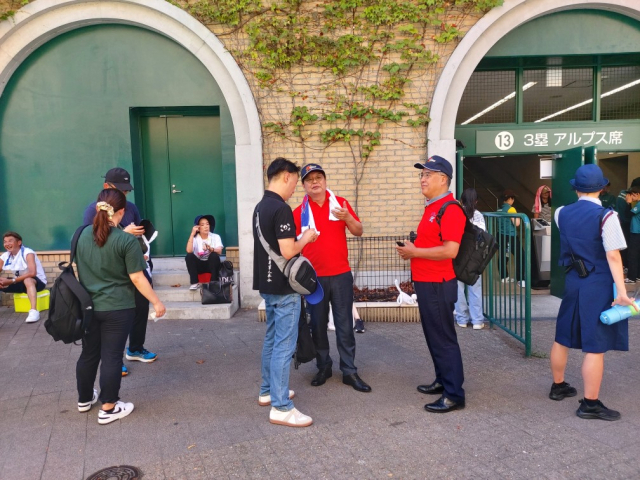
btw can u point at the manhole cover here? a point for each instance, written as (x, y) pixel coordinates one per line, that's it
(123, 472)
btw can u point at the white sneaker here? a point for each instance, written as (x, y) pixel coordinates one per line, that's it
(478, 326)
(34, 316)
(507, 280)
(264, 400)
(461, 325)
(291, 418)
(86, 406)
(195, 286)
(522, 284)
(121, 410)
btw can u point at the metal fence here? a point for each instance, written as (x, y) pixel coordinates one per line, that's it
(376, 265)
(507, 280)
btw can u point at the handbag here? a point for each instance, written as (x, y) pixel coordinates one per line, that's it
(216, 292)
(225, 274)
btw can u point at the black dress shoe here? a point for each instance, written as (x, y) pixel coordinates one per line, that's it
(321, 376)
(432, 389)
(443, 405)
(356, 382)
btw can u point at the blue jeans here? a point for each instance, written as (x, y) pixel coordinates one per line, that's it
(473, 311)
(283, 315)
(338, 290)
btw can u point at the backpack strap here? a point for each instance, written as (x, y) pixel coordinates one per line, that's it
(441, 214)
(74, 245)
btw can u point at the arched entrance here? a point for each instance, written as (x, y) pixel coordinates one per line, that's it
(475, 45)
(37, 23)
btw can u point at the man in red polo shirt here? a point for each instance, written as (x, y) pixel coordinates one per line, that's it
(330, 216)
(435, 283)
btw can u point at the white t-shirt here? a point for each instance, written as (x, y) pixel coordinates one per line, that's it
(213, 240)
(18, 263)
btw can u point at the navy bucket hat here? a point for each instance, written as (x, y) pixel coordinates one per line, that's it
(210, 218)
(588, 179)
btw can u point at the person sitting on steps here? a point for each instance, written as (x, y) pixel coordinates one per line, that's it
(203, 250)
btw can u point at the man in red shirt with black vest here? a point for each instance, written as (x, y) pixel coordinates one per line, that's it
(330, 216)
(435, 283)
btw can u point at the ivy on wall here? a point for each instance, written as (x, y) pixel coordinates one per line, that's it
(335, 72)
(8, 8)
(344, 65)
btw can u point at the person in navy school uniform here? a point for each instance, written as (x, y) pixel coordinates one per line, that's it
(592, 235)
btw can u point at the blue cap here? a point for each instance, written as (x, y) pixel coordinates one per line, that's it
(437, 164)
(311, 167)
(316, 296)
(588, 179)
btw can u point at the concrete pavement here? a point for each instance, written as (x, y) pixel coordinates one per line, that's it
(196, 413)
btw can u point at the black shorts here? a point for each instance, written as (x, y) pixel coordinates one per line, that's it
(20, 287)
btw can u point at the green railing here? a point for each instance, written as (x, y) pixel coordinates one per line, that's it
(506, 286)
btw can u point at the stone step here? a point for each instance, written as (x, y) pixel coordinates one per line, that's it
(182, 294)
(197, 311)
(166, 278)
(173, 263)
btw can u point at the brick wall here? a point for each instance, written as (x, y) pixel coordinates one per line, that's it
(387, 197)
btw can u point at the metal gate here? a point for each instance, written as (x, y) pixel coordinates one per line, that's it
(506, 287)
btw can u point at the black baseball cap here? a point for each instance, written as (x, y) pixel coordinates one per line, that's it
(436, 164)
(119, 178)
(311, 167)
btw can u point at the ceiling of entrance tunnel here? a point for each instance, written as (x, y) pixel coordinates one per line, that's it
(550, 94)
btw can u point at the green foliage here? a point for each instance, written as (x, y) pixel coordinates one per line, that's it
(8, 9)
(366, 53)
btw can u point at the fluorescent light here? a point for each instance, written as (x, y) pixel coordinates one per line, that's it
(497, 104)
(586, 102)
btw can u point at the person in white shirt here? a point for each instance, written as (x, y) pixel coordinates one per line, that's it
(203, 250)
(473, 311)
(28, 274)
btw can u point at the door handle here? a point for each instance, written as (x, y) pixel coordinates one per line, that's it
(176, 191)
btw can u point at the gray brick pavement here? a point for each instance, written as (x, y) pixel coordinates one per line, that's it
(197, 416)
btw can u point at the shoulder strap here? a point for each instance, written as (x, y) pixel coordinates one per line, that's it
(604, 216)
(442, 210)
(279, 260)
(74, 242)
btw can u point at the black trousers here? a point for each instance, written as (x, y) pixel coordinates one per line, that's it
(626, 230)
(138, 332)
(104, 343)
(338, 291)
(436, 302)
(196, 266)
(633, 255)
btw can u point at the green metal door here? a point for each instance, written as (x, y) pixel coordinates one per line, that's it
(565, 165)
(591, 155)
(182, 168)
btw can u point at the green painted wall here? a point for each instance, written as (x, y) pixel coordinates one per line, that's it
(64, 121)
(575, 32)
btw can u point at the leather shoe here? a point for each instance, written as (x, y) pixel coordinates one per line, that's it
(443, 405)
(432, 389)
(321, 376)
(356, 382)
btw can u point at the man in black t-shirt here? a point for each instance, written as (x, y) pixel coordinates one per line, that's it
(281, 302)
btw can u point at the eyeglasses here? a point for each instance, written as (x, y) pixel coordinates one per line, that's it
(424, 174)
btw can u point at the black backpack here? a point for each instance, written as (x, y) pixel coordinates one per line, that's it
(305, 348)
(71, 307)
(477, 248)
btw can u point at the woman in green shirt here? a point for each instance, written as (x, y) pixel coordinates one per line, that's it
(110, 266)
